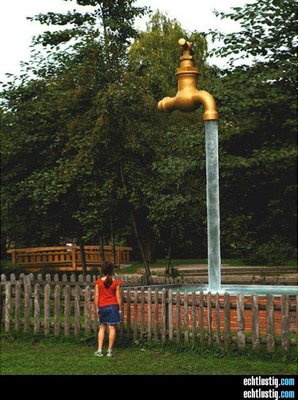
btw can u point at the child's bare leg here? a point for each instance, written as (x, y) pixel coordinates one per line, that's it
(112, 336)
(101, 335)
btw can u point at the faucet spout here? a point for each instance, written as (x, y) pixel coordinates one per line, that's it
(167, 104)
(209, 104)
(188, 97)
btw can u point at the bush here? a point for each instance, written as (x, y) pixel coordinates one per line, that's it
(274, 252)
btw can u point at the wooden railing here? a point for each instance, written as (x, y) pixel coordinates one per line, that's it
(67, 257)
(65, 306)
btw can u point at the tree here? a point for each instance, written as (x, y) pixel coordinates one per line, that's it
(257, 102)
(53, 120)
(85, 152)
(170, 188)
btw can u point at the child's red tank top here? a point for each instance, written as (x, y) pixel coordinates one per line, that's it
(107, 296)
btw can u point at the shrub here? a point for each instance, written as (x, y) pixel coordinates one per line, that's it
(274, 252)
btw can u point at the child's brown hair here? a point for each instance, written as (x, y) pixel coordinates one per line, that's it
(107, 269)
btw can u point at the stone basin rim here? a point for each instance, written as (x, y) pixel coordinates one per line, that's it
(262, 290)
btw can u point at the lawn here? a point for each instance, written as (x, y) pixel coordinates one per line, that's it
(51, 356)
(138, 266)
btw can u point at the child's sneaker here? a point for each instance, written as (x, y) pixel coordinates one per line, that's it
(98, 353)
(110, 353)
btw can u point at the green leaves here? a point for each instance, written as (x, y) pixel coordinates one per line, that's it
(74, 17)
(87, 110)
(268, 32)
(258, 123)
(57, 130)
(155, 55)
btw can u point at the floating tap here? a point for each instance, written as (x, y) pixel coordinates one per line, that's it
(188, 97)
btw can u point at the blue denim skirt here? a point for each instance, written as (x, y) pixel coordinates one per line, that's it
(109, 314)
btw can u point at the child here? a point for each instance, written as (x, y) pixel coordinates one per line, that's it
(108, 301)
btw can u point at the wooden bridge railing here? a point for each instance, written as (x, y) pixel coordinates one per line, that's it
(67, 257)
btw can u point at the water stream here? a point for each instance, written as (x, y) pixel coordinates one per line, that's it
(213, 216)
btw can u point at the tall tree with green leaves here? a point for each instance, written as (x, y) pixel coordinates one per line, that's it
(55, 115)
(257, 101)
(172, 193)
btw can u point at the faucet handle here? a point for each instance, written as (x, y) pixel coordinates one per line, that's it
(186, 46)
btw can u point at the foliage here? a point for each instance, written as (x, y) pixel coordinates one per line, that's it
(275, 252)
(55, 125)
(257, 102)
(86, 154)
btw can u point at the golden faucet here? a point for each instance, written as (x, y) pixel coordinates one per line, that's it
(189, 97)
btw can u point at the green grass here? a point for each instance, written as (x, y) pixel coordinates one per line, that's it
(160, 263)
(38, 356)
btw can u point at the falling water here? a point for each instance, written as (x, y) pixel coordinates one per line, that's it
(213, 221)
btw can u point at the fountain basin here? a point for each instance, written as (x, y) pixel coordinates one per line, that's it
(247, 289)
(275, 290)
(212, 306)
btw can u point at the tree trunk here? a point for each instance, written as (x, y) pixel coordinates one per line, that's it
(105, 38)
(101, 249)
(113, 243)
(147, 276)
(169, 268)
(149, 250)
(3, 249)
(83, 258)
(169, 256)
